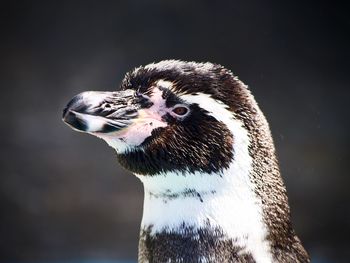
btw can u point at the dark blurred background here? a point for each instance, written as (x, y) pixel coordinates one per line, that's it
(62, 194)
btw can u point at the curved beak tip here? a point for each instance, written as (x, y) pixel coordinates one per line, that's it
(70, 118)
(64, 113)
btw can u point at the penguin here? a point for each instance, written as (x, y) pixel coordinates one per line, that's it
(197, 140)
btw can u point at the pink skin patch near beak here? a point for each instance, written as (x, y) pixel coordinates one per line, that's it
(141, 128)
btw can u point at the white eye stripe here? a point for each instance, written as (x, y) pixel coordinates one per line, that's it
(215, 108)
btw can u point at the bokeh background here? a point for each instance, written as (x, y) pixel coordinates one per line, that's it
(63, 197)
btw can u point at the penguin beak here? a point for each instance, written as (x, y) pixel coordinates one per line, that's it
(101, 112)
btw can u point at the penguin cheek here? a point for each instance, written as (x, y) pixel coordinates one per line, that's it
(138, 132)
(132, 136)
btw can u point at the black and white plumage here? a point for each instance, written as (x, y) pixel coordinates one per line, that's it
(196, 138)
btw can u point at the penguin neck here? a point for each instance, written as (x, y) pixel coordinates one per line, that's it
(198, 217)
(216, 215)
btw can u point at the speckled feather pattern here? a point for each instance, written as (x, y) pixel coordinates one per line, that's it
(209, 242)
(286, 247)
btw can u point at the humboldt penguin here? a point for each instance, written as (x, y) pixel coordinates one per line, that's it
(198, 141)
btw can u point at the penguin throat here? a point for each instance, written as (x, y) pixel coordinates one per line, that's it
(202, 207)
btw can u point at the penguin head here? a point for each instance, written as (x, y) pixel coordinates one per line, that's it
(166, 116)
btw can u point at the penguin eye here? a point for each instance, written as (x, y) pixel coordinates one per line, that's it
(180, 110)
